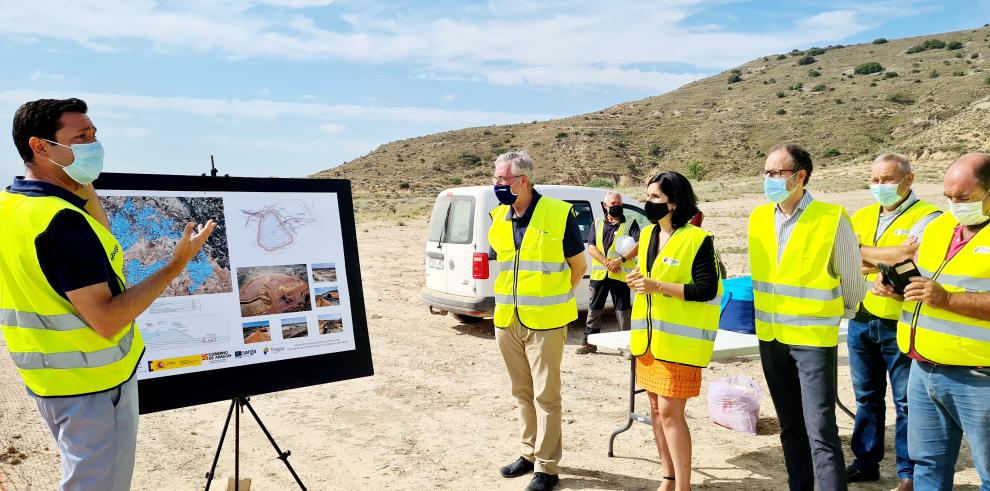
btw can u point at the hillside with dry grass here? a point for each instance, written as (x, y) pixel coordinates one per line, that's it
(926, 96)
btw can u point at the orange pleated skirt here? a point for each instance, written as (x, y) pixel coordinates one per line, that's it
(667, 379)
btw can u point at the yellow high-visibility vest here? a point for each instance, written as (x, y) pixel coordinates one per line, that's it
(598, 270)
(936, 334)
(796, 300)
(534, 281)
(54, 349)
(865, 222)
(672, 329)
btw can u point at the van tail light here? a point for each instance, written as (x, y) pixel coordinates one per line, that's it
(479, 266)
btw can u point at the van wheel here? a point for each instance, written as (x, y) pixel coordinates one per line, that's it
(466, 319)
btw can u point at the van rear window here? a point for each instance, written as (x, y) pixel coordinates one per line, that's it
(457, 214)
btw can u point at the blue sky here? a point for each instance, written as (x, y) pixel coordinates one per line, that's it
(290, 87)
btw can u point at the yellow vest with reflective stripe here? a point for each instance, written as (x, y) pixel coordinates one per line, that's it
(865, 222)
(672, 329)
(598, 271)
(54, 349)
(535, 280)
(939, 335)
(797, 301)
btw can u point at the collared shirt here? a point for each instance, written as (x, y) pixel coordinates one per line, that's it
(608, 233)
(70, 254)
(888, 218)
(846, 260)
(573, 244)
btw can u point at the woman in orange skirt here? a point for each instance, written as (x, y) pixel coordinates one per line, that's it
(675, 317)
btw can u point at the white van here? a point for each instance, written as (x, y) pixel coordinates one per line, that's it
(459, 275)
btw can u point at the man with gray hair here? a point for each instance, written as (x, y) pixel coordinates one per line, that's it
(609, 265)
(540, 255)
(888, 231)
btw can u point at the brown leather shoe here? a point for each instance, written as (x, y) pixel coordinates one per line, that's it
(906, 485)
(586, 348)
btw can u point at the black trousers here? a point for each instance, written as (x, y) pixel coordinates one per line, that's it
(802, 382)
(621, 300)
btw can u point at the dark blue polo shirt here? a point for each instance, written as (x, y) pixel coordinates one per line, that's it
(70, 254)
(573, 242)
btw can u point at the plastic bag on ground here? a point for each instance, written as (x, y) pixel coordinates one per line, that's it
(734, 402)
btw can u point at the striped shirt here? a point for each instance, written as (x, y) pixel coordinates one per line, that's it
(846, 260)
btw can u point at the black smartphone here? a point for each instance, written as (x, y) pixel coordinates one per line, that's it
(899, 275)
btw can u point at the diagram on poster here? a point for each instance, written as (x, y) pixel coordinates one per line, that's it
(268, 285)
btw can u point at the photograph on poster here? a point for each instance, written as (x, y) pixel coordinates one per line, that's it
(266, 290)
(327, 296)
(331, 324)
(257, 332)
(324, 273)
(294, 327)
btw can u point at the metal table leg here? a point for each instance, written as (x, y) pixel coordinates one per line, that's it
(632, 414)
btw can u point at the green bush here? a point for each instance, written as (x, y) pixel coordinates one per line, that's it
(868, 68)
(974, 56)
(781, 112)
(469, 158)
(781, 57)
(901, 98)
(831, 152)
(819, 88)
(696, 170)
(933, 73)
(734, 78)
(987, 80)
(796, 52)
(958, 73)
(814, 73)
(925, 46)
(599, 182)
(815, 52)
(781, 94)
(954, 46)
(880, 41)
(456, 180)
(656, 150)
(562, 134)
(889, 74)
(403, 185)
(797, 86)
(806, 60)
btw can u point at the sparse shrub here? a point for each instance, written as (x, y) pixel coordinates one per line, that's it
(873, 84)
(954, 45)
(781, 94)
(656, 150)
(734, 78)
(987, 80)
(781, 57)
(797, 86)
(815, 52)
(831, 152)
(880, 41)
(868, 68)
(796, 52)
(889, 74)
(562, 134)
(974, 56)
(958, 55)
(925, 46)
(469, 158)
(915, 70)
(901, 98)
(933, 73)
(589, 133)
(814, 73)
(599, 182)
(404, 185)
(486, 132)
(819, 88)
(806, 60)
(456, 180)
(958, 73)
(696, 170)
(781, 112)
(838, 101)
(620, 144)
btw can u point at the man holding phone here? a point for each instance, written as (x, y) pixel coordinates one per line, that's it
(887, 231)
(945, 328)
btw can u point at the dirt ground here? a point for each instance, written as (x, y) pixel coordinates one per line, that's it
(438, 413)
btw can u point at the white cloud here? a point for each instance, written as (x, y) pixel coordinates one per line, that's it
(38, 75)
(332, 128)
(581, 43)
(268, 109)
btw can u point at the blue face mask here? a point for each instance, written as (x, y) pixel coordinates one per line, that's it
(87, 163)
(885, 194)
(504, 193)
(775, 189)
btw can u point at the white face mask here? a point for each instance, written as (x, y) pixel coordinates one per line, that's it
(970, 214)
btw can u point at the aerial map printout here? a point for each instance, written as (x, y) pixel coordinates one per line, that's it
(268, 285)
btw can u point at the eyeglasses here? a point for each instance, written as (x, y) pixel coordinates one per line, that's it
(504, 180)
(774, 173)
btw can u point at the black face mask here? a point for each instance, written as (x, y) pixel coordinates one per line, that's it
(615, 211)
(655, 211)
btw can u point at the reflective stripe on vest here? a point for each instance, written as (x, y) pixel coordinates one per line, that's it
(598, 270)
(534, 279)
(797, 301)
(939, 335)
(865, 222)
(54, 350)
(671, 329)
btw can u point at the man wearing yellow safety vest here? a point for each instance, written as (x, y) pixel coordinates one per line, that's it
(65, 312)
(540, 257)
(887, 232)
(806, 268)
(609, 267)
(944, 327)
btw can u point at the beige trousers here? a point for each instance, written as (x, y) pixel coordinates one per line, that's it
(532, 359)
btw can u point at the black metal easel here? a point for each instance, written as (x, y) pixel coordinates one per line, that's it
(238, 404)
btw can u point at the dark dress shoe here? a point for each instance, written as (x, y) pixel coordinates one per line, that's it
(517, 468)
(543, 482)
(854, 474)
